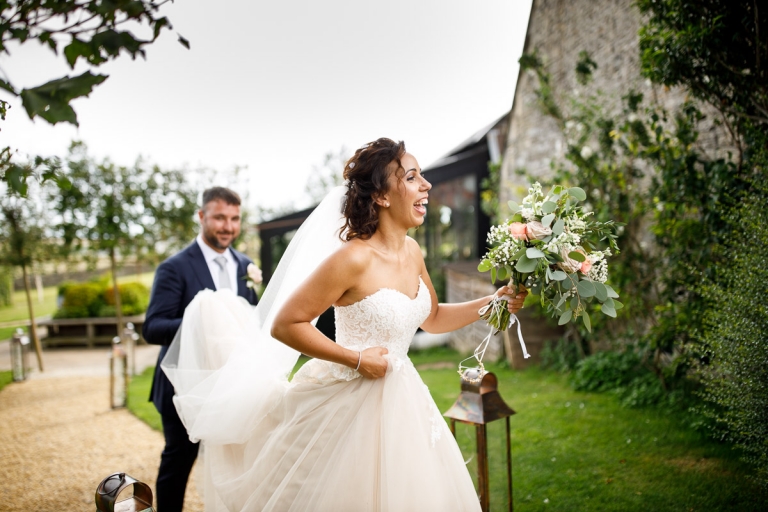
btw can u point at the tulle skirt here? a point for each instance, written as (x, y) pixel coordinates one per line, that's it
(339, 442)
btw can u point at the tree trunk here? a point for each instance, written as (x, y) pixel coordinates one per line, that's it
(118, 304)
(32, 323)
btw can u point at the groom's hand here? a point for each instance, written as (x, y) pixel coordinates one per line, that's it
(372, 363)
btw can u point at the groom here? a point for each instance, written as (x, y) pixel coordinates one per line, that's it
(209, 262)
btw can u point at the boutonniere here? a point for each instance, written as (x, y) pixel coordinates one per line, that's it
(252, 276)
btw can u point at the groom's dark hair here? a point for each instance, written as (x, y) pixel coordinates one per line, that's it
(220, 194)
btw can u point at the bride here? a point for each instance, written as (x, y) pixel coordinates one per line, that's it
(355, 429)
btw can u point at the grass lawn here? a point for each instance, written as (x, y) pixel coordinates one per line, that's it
(6, 377)
(138, 399)
(578, 451)
(19, 311)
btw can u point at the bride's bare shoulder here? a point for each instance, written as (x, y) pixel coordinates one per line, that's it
(354, 255)
(414, 248)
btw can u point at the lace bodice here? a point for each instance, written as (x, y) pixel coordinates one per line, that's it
(387, 318)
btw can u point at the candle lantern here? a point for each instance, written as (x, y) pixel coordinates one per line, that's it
(118, 375)
(109, 490)
(479, 404)
(130, 338)
(19, 349)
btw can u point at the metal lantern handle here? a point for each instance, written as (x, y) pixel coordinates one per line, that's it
(111, 487)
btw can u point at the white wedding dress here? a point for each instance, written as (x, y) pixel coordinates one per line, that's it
(328, 439)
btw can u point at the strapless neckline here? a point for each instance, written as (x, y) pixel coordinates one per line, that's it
(422, 286)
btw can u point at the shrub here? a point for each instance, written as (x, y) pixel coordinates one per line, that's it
(735, 380)
(97, 299)
(626, 375)
(81, 300)
(561, 355)
(134, 299)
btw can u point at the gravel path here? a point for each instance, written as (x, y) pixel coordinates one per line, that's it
(59, 439)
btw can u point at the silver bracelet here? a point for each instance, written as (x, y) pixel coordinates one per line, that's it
(359, 359)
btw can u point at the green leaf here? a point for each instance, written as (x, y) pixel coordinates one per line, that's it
(513, 206)
(558, 275)
(611, 292)
(548, 207)
(501, 273)
(601, 292)
(557, 229)
(484, 266)
(576, 255)
(8, 87)
(577, 193)
(586, 320)
(608, 310)
(617, 305)
(516, 218)
(586, 288)
(547, 219)
(17, 179)
(560, 302)
(519, 253)
(533, 253)
(77, 49)
(526, 265)
(565, 317)
(493, 274)
(51, 100)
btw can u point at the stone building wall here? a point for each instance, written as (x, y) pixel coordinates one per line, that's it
(559, 30)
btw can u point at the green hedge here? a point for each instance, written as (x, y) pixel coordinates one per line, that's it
(97, 299)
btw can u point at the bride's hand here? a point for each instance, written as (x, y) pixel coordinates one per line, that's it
(372, 362)
(515, 300)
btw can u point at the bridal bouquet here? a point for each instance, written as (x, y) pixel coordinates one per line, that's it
(551, 247)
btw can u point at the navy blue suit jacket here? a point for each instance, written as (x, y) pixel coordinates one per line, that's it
(177, 280)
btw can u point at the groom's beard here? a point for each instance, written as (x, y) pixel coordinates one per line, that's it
(213, 240)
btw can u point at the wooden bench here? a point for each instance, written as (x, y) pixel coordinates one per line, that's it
(85, 331)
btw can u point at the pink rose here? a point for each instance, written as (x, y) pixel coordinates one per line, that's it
(517, 230)
(537, 231)
(586, 266)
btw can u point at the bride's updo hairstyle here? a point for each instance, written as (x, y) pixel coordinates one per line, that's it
(366, 174)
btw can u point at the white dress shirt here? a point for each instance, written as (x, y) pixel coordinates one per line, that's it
(210, 255)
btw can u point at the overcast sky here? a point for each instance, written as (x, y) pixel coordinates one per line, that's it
(273, 86)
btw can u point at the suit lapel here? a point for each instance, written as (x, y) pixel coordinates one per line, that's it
(200, 267)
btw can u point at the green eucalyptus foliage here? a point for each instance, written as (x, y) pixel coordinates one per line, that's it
(90, 32)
